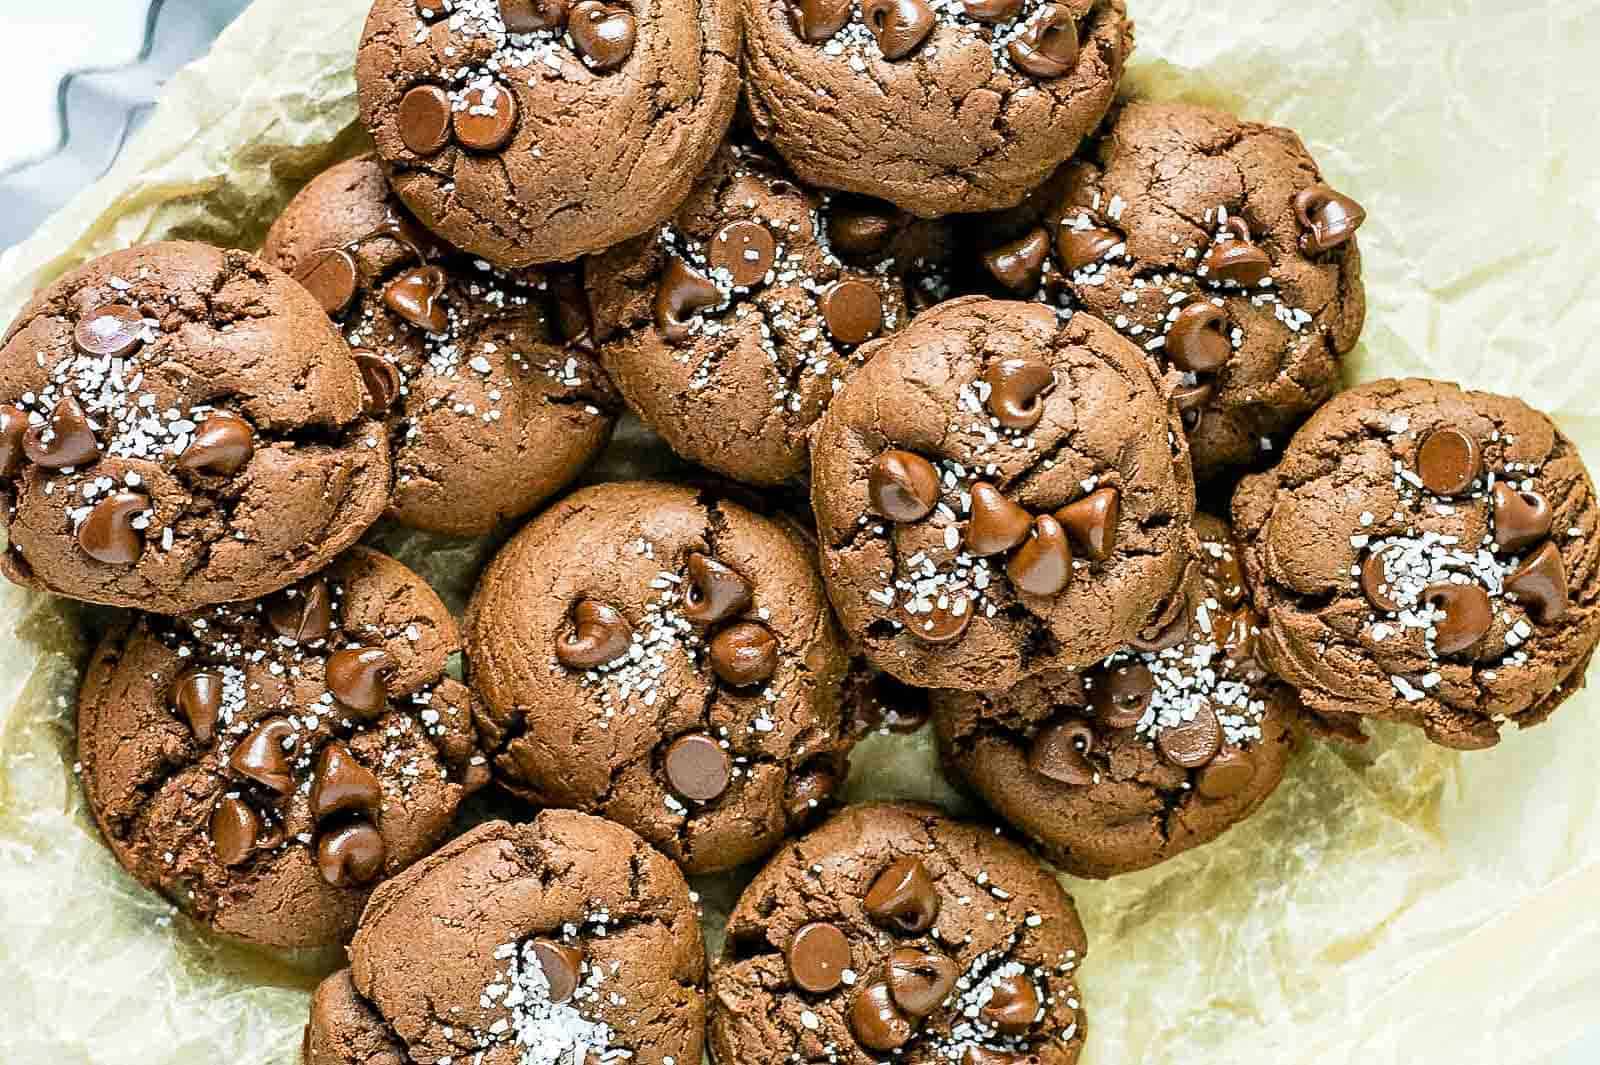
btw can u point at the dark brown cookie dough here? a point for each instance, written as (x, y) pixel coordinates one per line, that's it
(180, 426)
(895, 934)
(730, 328)
(494, 398)
(1213, 244)
(264, 764)
(563, 940)
(1000, 492)
(1427, 555)
(938, 107)
(1154, 751)
(528, 131)
(665, 658)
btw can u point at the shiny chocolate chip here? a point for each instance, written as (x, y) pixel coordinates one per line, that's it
(599, 634)
(992, 10)
(13, 428)
(697, 767)
(351, 855)
(109, 331)
(64, 440)
(1191, 401)
(941, 624)
(1236, 257)
(902, 486)
(1017, 388)
(198, 697)
(1047, 47)
(487, 119)
(1227, 775)
(745, 250)
(1329, 219)
(1197, 340)
(233, 830)
(603, 34)
(329, 274)
(876, 1021)
(416, 295)
(920, 980)
(1540, 585)
(858, 226)
(818, 955)
(1191, 744)
(1521, 519)
(1091, 522)
(1468, 615)
(562, 965)
(1043, 564)
(852, 311)
(358, 677)
(424, 119)
(109, 533)
(1019, 265)
(1060, 753)
(997, 524)
(683, 293)
(302, 614)
(381, 380)
(1375, 584)
(1121, 694)
(341, 783)
(1014, 1006)
(1077, 248)
(817, 20)
(532, 16)
(810, 788)
(1448, 461)
(899, 25)
(222, 445)
(744, 654)
(715, 592)
(263, 755)
(904, 897)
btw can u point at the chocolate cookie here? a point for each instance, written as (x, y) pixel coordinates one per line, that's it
(936, 107)
(1216, 246)
(894, 934)
(180, 426)
(536, 131)
(1000, 492)
(730, 328)
(264, 764)
(1161, 747)
(1427, 555)
(665, 658)
(565, 940)
(494, 400)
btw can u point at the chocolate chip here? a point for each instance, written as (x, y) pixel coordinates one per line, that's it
(899, 25)
(1121, 694)
(604, 35)
(1043, 564)
(852, 311)
(876, 1021)
(1448, 461)
(109, 331)
(342, 783)
(1047, 47)
(997, 524)
(1017, 388)
(1468, 615)
(745, 250)
(262, 757)
(683, 293)
(13, 427)
(329, 275)
(1521, 519)
(1191, 402)
(1540, 584)
(198, 697)
(1329, 219)
(902, 486)
(358, 677)
(415, 295)
(1219, 564)
(65, 440)
(1191, 744)
(1229, 773)
(941, 624)
(697, 767)
(1237, 259)
(488, 119)
(351, 856)
(531, 16)
(1060, 753)
(424, 119)
(818, 955)
(1238, 634)
(562, 965)
(744, 654)
(903, 895)
(1197, 340)
(108, 533)
(1019, 265)
(817, 20)
(302, 614)
(221, 446)
(715, 592)
(858, 226)
(1375, 584)
(920, 980)
(234, 827)
(381, 379)
(1014, 1006)
(810, 788)
(976, 1055)
(1092, 522)
(992, 10)
(1078, 248)
(599, 635)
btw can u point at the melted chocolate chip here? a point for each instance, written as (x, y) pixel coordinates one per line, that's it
(920, 980)
(1043, 564)
(263, 757)
(424, 119)
(341, 783)
(110, 331)
(902, 486)
(302, 614)
(416, 295)
(941, 625)
(992, 10)
(65, 440)
(599, 635)
(13, 428)
(852, 311)
(1122, 693)
(697, 767)
(876, 1021)
(715, 592)
(329, 274)
(222, 444)
(858, 226)
(1019, 265)
(1228, 774)
(997, 524)
(1191, 402)
(603, 34)
(562, 965)
(1191, 744)
(1017, 388)
(810, 788)
(109, 535)
(818, 955)
(683, 293)
(1197, 340)
(744, 249)
(1540, 584)
(1078, 248)
(1329, 219)
(1060, 753)
(1092, 522)
(358, 677)
(744, 654)
(1047, 47)
(1448, 461)
(1375, 584)
(899, 25)
(351, 856)
(903, 896)
(1521, 519)
(1014, 1006)
(1237, 259)
(488, 119)
(381, 379)
(233, 829)
(198, 697)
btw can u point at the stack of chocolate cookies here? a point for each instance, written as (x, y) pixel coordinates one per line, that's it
(997, 401)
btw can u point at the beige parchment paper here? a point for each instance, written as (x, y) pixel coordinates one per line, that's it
(1397, 904)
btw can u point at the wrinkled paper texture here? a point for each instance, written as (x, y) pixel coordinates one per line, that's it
(1396, 904)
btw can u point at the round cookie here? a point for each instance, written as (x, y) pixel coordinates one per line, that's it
(730, 328)
(566, 939)
(1213, 244)
(1158, 749)
(536, 132)
(998, 493)
(494, 399)
(264, 764)
(665, 658)
(1427, 555)
(180, 426)
(938, 108)
(892, 933)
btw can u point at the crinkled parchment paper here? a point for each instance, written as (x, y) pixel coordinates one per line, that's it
(1397, 904)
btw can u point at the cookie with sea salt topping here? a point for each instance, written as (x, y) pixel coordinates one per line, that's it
(938, 106)
(730, 328)
(1000, 492)
(1158, 749)
(1218, 247)
(265, 764)
(536, 131)
(563, 940)
(664, 657)
(1427, 555)
(180, 426)
(486, 378)
(893, 933)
